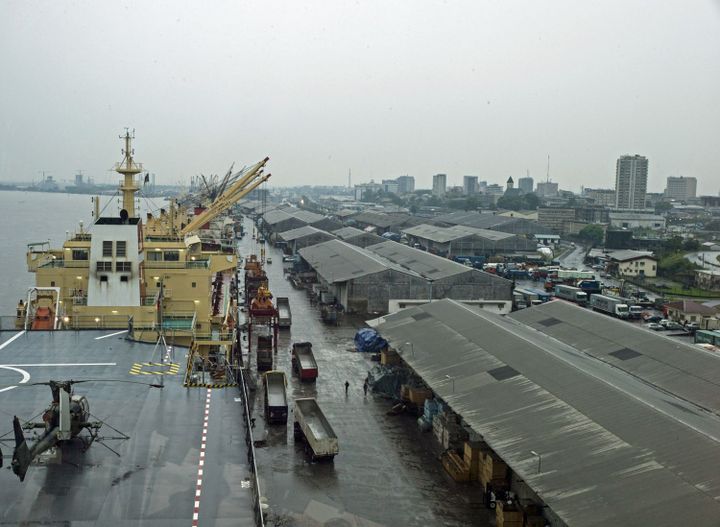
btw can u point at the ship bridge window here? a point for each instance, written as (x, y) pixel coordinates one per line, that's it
(124, 278)
(79, 254)
(103, 279)
(172, 256)
(107, 249)
(121, 248)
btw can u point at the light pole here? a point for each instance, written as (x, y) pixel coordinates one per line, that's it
(449, 378)
(539, 465)
(412, 348)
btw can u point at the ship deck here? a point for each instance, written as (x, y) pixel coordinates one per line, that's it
(156, 478)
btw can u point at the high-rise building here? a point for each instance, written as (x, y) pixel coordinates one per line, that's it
(390, 185)
(406, 184)
(470, 184)
(631, 182)
(601, 196)
(681, 188)
(526, 184)
(439, 184)
(547, 189)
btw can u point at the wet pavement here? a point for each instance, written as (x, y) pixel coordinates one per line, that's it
(387, 472)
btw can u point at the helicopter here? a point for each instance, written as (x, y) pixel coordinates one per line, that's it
(67, 416)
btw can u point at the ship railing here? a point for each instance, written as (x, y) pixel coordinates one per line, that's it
(190, 264)
(242, 377)
(75, 264)
(228, 336)
(78, 322)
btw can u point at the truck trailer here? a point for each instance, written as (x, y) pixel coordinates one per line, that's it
(284, 314)
(303, 361)
(610, 305)
(311, 426)
(276, 407)
(573, 294)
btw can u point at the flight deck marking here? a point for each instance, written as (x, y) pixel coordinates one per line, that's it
(201, 462)
(59, 364)
(25, 377)
(171, 368)
(7, 342)
(111, 334)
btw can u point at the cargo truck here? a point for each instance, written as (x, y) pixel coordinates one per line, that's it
(303, 361)
(276, 407)
(610, 305)
(573, 294)
(284, 314)
(311, 426)
(264, 353)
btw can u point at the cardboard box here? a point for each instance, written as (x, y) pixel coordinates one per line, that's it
(389, 357)
(418, 395)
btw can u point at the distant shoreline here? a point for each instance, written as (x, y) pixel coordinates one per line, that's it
(90, 191)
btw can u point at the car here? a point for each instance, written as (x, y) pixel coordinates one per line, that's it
(288, 258)
(654, 326)
(652, 319)
(692, 326)
(673, 326)
(664, 322)
(268, 260)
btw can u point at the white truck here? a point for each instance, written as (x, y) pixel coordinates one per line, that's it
(284, 314)
(610, 305)
(312, 426)
(573, 294)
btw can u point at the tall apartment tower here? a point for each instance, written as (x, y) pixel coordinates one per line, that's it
(406, 184)
(631, 182)
(470, 185)
(526, 184)
(439, 184)
(681, 188)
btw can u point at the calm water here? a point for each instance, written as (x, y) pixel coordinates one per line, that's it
(37, 217)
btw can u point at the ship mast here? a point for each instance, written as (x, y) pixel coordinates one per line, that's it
(128, 168)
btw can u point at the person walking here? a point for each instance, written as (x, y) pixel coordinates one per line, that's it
(347, 385)
(365, 387)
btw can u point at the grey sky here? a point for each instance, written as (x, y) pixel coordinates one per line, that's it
(384, 88)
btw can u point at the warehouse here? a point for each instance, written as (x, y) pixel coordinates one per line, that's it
(603, 422)
(357, 237)
(460, 240)
(281, 220)
(305, 236)
(380, 223)
(364, 280)
(492, 222)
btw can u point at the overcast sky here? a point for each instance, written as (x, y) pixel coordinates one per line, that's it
(383, 88)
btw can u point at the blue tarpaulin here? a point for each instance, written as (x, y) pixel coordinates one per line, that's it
(367, 340)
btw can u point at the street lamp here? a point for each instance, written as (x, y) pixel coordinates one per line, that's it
(539, 465)
(412, 348)
(449, 378)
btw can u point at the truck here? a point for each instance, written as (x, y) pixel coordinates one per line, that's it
(574, 274)
(264, 352)
(311, 425)
(573, 294)
(591, 287)
(284, 314)
(303, 361)
(609, 305)
(276, 407)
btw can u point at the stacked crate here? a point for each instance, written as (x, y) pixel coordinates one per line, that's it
(508, 515)
(494, 472)
(473, 457)
(456, 467)
(389, 357)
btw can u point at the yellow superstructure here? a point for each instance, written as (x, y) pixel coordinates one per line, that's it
(121, 273)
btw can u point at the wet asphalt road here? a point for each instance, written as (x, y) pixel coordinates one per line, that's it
(387, 471)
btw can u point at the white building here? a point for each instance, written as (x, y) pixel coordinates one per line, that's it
(547, 189)
(470, 185)
(636, 220)
(634, 263)
(681, 188)
(439, 184)
(631, 182)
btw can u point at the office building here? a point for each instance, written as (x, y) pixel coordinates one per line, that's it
(406, 184)
(547, 189)
(470, 184)
(681, 188)
(526, 184)
(631, 182)
(601, 196)
(439, 184)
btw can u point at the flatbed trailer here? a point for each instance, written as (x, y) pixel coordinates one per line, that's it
(312, 426)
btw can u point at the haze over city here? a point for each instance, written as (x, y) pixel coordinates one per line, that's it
(382, 88)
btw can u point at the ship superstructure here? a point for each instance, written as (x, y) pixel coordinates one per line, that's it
(121, 272)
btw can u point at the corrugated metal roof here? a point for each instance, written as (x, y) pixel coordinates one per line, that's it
(276, 216)
(302, 232)
(423, 263)
(620, 445)
(338, 261)
(456, 232)
(347, 232)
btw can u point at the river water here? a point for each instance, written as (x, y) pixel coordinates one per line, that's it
(38, 217)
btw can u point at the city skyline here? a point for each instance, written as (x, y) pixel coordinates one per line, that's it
(323, 89)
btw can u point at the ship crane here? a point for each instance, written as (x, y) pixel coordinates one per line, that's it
(252, 179)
